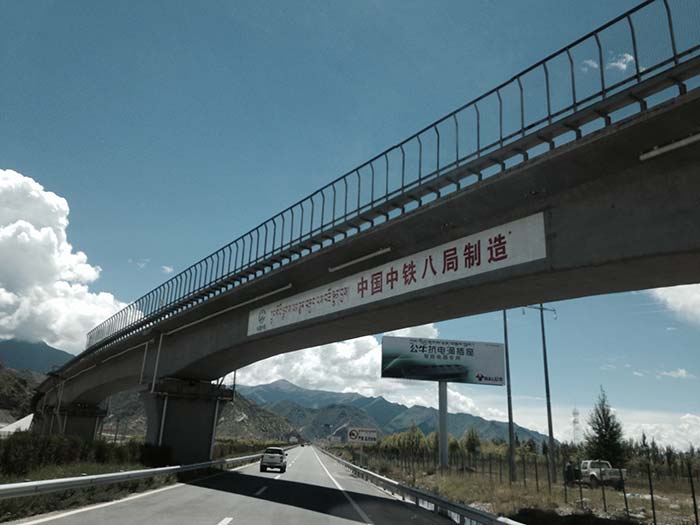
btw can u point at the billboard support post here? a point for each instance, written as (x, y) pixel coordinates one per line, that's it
(442, 424)
(511, 430)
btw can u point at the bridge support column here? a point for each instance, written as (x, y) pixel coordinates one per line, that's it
(78, 419)
(182, 416)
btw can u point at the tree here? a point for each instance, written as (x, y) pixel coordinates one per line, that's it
(453, 448)
(530, 447)
(604, 441)
(472, 443)
(414, 443)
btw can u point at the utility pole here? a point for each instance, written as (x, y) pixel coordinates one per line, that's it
(511, 429)
(442, 425)
(552, 466)
(233, 399)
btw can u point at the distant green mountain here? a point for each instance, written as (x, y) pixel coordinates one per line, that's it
(293, 403)
(283, 390)
(38, 357)
(313, 423)
(458, 424)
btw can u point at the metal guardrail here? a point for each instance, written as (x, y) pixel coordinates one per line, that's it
(465, 514)
(614, 68)
(35, 488)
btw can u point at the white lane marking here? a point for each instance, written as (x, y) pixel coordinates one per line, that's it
(117, 501)
(225, 521)
(357, 508)
(260, 491)
(278, 476)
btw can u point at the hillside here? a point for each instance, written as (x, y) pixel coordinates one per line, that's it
(16, 391)
(240, 419)
(313, 423)
(245, 419)
(38, 357)
(289, 401)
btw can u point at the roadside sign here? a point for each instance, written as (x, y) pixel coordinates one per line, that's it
(366, 436)
(443, 360)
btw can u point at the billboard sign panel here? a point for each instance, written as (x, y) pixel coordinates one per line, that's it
(443, 360)
(517, 242)
(367, 436)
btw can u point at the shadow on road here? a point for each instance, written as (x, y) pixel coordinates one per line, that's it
(324, 500)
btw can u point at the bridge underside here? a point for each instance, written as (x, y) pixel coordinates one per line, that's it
(613, 223)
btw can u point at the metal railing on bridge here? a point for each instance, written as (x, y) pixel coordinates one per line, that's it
(638, 58)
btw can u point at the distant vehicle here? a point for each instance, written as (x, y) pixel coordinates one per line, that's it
(595, 472)
(302, 444)
(273, 458)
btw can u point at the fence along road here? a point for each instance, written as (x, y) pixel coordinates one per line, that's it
(654, 46)
(314, 490)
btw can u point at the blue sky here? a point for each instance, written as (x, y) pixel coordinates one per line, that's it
(172, 127)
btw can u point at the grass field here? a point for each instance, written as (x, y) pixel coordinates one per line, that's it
(672, 497)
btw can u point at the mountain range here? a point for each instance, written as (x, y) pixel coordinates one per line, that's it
(39, 357)
(318, 413)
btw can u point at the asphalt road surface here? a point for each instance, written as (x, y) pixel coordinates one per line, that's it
(315, 490)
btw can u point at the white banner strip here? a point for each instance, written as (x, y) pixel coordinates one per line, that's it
(510, 244)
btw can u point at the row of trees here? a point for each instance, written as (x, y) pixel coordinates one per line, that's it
(605, 440)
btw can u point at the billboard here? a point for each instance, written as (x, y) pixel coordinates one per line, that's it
(443, 360)
(367, 436)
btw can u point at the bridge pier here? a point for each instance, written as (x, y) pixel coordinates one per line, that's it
(83, 420)
(182, 416)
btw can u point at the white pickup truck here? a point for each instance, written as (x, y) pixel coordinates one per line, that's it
(595, 472)
(273, 457)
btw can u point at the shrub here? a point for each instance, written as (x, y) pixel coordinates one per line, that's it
(25, 451)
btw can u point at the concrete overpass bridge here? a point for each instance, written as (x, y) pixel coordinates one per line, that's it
(565, 181)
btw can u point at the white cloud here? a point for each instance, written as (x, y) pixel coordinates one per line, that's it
(682, 300)
(638, 373)
(680, 373)
(167, 269)
(44, 294)
(140, 263)
(589, 64)
(621, 62)
(428, 331)
(667, 428)
(677, 430)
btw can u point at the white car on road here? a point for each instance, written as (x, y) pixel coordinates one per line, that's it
(273, 458)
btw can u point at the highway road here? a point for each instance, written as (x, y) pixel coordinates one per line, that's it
(315, 490)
